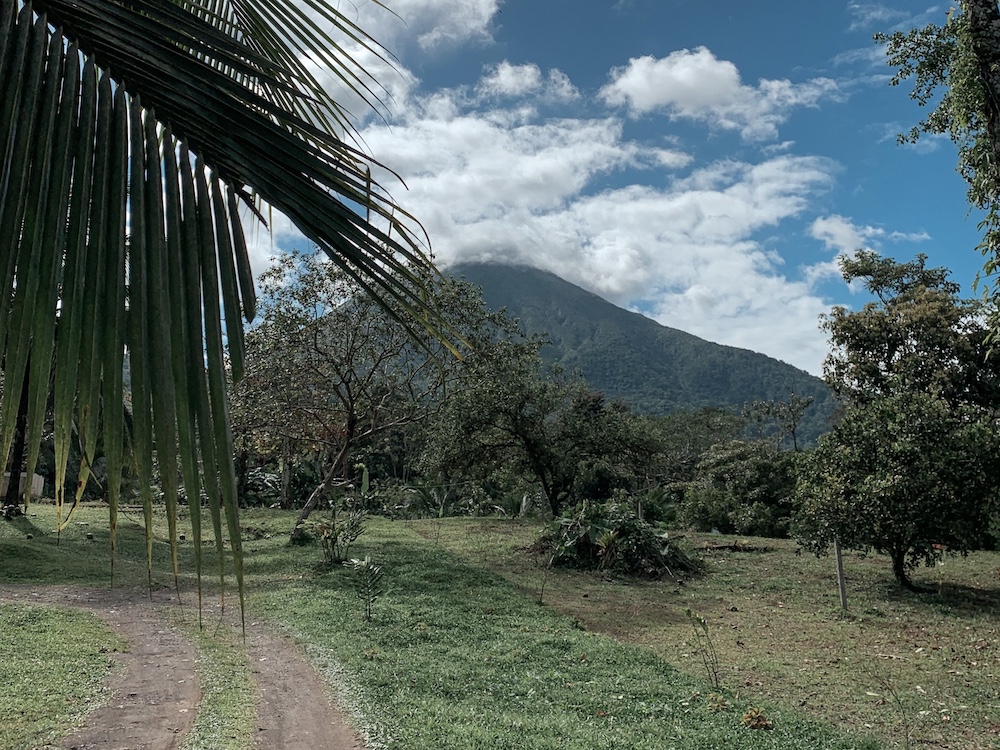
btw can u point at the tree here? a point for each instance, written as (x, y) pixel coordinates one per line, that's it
(567, 439)
(131, 136)
(744, 482)
(742, 487)
(779, 421)
(906, 475)
(917, 335)
(912, 467)
(963, 58)
(331, 371)
(686, 436)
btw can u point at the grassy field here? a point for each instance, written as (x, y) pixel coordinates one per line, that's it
(915, 669)
(460, 654)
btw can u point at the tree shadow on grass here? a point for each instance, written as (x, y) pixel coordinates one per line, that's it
(25, 526)
(951, 598)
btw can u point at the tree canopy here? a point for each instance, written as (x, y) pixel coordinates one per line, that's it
(912, 468)
(332, 373)
(572, 442)
(955, 70)
(917, 336)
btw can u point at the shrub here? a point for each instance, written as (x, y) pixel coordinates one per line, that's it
(659, 506)
(742, 487)
(612, 537)
(337, 533)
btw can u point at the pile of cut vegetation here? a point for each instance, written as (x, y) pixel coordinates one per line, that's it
(611, 537)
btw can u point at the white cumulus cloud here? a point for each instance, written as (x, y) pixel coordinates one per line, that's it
(696, 85)
(430, 24)
(841, 235)
(505, 81)
(509, 185)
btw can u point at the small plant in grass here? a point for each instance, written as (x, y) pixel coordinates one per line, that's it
(545, 577)
(756, 719)
(716, 702)
(367, 580)
(887, 686)
(610, 536)
(706, 649)
(337, 532)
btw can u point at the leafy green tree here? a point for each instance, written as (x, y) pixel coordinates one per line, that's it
(955, 69)
(906, 475)
(330, 371)
(780, 421)
(568, 440)
(917, 335)
(687, 435)
(132, 133)
(743, 481)
(742, 487)
(913, 465)
(682, 439)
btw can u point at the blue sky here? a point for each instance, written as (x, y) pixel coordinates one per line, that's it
(704, 164)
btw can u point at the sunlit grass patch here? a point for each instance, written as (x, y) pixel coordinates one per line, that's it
(55, 660)
(901, 665)
(227, 713)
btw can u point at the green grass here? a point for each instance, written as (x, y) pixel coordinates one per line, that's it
(457, 657)
(461, 655)
(227, 716)
(922, 668)
(55, 660)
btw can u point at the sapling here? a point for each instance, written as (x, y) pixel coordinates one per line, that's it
(367, 577)
(706, 649)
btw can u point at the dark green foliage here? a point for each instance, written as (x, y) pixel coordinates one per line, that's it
(913, 467)
(658, 506)
(654, 369)
(337, 531)
(611, 537)
(742, 487)
(955, 70)
(917, 335)
(260, 487)
(503, 418)
(686, 435)
(907, 476)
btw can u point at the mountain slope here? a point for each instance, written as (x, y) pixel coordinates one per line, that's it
(652, 368)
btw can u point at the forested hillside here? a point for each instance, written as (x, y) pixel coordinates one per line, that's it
(653, 368)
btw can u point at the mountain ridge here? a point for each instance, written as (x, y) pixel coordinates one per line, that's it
(653, 368)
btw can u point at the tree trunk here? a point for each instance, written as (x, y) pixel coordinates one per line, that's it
(298, 532)
(12, 499)
(899, 571)
(286, 475)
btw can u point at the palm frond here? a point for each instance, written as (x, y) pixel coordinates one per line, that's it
(130, 132)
